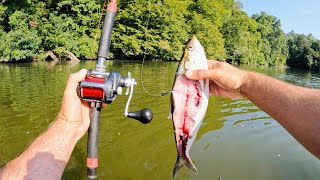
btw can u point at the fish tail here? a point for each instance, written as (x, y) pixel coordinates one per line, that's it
(184, 162)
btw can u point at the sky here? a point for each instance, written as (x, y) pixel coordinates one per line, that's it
(301, 16)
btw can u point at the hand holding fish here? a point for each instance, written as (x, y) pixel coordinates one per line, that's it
(225, 80)
(292, 106)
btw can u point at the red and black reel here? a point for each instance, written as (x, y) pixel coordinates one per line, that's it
(92, 93)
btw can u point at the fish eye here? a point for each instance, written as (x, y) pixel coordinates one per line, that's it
(190, 48)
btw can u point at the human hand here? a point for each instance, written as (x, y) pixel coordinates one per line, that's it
(225, 80)
(74, 111)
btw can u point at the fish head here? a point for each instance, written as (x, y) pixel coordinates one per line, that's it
(193, 57)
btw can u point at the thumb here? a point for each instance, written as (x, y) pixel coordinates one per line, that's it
(77, 77)
(199, 74)
(74, 79)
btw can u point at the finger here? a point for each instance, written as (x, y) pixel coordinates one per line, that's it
(213, 89)
(85, 104)
(73, 81)
(212, 63)
(75, 78)
(201, 74)
(210, 73)
(85, 107)
(104, 105)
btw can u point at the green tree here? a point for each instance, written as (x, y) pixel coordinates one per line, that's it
(33, 27)
(274, 42)
(304, 51)
(206, 19)
(242, 39)
(167, 30)
(21, 41)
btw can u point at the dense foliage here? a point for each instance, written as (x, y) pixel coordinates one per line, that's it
(304, 51)
(30, 28)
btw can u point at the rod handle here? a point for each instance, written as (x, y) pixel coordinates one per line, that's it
(92, 144)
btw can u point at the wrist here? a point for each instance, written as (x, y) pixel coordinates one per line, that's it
(71, 129)
(248, 79)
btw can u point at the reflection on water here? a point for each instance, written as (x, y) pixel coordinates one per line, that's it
(301, 78)
(236, 140)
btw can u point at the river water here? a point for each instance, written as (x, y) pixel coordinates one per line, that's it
(236, 140)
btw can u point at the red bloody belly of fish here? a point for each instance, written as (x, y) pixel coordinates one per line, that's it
(187, 101)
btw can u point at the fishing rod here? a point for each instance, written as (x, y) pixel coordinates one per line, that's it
(101, 87)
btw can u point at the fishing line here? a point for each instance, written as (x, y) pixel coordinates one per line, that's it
(144, 58)
(145, 49)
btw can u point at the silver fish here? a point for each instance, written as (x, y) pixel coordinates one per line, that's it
(189, 102)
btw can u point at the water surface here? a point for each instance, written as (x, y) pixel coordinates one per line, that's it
(236, 140)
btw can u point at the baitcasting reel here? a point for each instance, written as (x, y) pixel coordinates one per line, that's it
(104, 87)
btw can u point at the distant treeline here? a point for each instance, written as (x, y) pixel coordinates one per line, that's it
(29, 29)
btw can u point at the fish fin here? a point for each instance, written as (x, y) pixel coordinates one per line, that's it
(191, 166)
(179, 164)
(183, 162)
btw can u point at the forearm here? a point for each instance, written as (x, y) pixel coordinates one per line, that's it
(295, 108)
(46, 157)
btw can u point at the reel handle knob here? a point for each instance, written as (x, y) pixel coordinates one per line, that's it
(144, 115)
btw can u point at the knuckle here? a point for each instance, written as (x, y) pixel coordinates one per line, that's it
(202, 74)
(220, 64)
(215, 65)
(198, 73)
